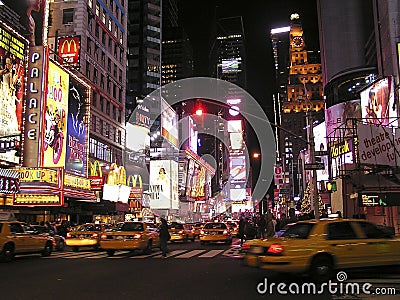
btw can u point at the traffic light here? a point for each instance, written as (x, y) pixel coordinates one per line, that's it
(17, 146)
(199, 109)
(331, 186)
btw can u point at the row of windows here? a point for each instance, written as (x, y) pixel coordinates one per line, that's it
(105, 83)
(98, 102)
(98, 150)
(111, 4)
(105, 129)
(107, 41)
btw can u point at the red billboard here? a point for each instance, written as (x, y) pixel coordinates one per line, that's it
(68, 50)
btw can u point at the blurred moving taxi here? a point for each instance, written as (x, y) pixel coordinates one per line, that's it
(233, 227)
(215, 232)
(197, 228)
(130, 236)
(58, 240)
(19, 238)
(181, 232)
(87, 235)
(320, 247)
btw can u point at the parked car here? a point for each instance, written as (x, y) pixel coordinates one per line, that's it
(58, 240)
(320, 247)
(19, 238)
(130, 236)
(215, 232)
(87, 235)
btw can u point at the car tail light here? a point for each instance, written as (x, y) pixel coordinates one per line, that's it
(275, 249)
(180, 231)
(95, 235)
(245, 247)
(103, 236)
(225, 231)
(201, 232)
(69, 235)
(137, 236)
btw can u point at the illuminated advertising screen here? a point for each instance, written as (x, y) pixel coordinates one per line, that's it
(141, 116)
(193, 135)
(378, 103)
(160, 187)
(77, 133)
(169, 123)
(189, 178)
(235, 126)
(31, 17)
(12, 74)
(196, 180)
(137, 144)
(237, 166)
(55, 125)
(238, 194)
(319, 132)
(236, 139)
(230, 65)
(68, 50)
(337, 115)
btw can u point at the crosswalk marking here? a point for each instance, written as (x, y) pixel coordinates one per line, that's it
(173, 253)
(211, 253)
(190, 254)
(182, 254)
(146, 255)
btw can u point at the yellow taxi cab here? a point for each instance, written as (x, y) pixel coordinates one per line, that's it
(215, 232)
(233, 227)
(197, 228)
(19, 238)
(130, 236)
(320, 247)
(86, 235)
(181, 232)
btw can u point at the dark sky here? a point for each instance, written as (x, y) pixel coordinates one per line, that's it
(259, 17)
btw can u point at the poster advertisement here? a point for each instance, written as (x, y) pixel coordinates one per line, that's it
(160, 184)
(12, 78)
(77, 133)
(377, 103)
(55, 125)
(321, 145)
(69, 48)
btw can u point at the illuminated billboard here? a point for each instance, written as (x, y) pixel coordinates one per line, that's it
(235, 126)
(77, 133)
(238, 194)
(230, 65)
(378, 103)
(237, 166)
(196, 180)
(31, 17)
(337, 115)
(319, 132)
(236, 139)
(12, 74)
(169, 123)
(56, 112)
(163, 186)
(68, 50)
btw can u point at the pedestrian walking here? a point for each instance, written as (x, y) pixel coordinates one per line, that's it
(242, 224)
(164, 237)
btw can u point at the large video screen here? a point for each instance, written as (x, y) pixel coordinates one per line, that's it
(12, 75)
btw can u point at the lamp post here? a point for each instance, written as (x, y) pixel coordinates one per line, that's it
(311, 149)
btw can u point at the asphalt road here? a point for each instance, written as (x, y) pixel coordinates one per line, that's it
(192, 271)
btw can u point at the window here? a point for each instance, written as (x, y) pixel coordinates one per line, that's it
(341, 231)
(215, 226)
(101, 127)
(95, 75)
(90, 3)
(119, 116)
(94, 101)
(108, 108)
(87, 69)
(16, 228)
(110, 25)
(68, 15)
(97, 9)
(107, 130)
(298, 231)
(119, 137)
(103, 58)
(372, 231)
(97, 30)
(109, 65)
(103, 18)
(101, 100)
(93, 128)
(103, 37)
(115, 71)
(114, 114)
(89, 46)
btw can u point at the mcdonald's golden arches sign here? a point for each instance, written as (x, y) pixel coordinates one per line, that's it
(69, 50)
(96, 176)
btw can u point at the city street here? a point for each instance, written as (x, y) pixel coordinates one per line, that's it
(191, 271)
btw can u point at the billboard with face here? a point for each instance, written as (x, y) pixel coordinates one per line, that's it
(77, 133)
(378, 103)
(55, 125)
(12, 80)
(31, 14)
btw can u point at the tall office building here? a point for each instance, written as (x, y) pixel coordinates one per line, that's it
(98, 30)
(144, 50)
(303, 93)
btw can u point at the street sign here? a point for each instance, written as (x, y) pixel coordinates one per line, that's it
(321, 153)
(315, 166)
